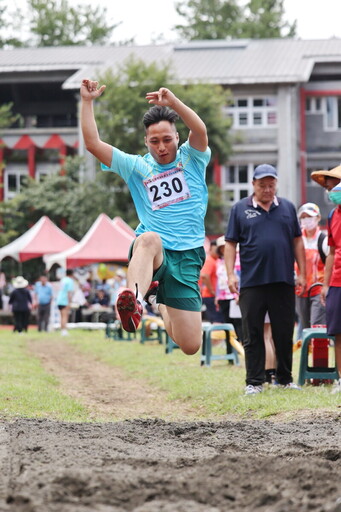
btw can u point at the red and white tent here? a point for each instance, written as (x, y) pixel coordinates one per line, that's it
(41, 239)
(106, 240)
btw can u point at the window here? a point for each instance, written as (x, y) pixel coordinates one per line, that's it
(253, 112)
(330, 107)
(14, 181)
(237, 182)
(44, 169)
(314, 105)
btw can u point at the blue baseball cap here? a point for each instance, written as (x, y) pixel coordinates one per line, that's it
(263, 171)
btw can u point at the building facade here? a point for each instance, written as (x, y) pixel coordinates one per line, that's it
(285, 110)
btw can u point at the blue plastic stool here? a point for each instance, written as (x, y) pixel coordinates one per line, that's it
(115, 331)
(206, 348)
(170, 345)
(308, 372)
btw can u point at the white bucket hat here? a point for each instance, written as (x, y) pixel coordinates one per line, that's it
(19, 282)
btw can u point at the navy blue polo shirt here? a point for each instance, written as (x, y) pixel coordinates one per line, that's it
(265, 241)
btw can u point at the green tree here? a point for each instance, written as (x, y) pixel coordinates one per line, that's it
(228, 19)
(208, 19)
(54, 23)
(9, 25)
(265, 19)
(7, 118)
(57, 23)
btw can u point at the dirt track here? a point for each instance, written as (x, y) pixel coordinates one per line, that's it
(149, 465)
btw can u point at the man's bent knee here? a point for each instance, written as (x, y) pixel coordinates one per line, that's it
(189, 344)
(191, 349)
(149, 240)
(185, 328)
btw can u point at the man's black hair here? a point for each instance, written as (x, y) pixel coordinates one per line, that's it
(157, 113)
(69, 272)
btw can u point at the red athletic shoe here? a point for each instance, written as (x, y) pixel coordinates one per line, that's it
(151, 293)
(129, 309)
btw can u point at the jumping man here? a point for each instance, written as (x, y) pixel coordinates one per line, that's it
(170, 196)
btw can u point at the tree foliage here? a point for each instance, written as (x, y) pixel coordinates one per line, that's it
(55, 23)
(7, 118)
(264, 19)
(228, 19)
(9, 25)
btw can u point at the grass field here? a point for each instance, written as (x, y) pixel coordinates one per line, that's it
(26, 390)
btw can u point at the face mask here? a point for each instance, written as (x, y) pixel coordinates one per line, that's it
(309, 223)
(335, 196)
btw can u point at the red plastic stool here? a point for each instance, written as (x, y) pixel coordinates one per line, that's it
(320, 351)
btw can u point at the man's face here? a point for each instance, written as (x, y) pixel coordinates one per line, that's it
(265, 189)
(43, 280)
(162, 141)
(330, 182)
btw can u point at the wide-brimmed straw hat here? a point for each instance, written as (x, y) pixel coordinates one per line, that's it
(319, 176)
(19, 282)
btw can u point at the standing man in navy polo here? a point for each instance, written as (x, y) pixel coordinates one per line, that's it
(269, 236)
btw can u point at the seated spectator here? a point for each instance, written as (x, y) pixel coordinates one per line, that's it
(101, 298)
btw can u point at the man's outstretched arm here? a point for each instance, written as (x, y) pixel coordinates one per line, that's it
(101, 150)
(197, 129)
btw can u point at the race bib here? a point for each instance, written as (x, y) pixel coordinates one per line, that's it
(167, 188)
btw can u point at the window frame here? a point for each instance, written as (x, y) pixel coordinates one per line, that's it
(243, 116)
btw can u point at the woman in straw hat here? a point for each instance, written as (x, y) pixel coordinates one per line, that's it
(331, 290)
(327, 179)
(20, 300)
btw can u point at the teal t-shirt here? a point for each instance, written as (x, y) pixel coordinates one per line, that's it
(170, 199)
(66, 285)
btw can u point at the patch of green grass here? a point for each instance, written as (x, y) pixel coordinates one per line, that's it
(213, 392)
(26, 390)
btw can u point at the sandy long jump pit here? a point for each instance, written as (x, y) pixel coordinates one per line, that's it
(157, 466)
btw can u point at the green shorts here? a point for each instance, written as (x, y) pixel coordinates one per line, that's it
(178, 278)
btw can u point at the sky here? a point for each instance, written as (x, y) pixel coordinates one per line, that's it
(146, 19)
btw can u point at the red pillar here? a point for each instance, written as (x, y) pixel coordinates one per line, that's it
(217, 172)
(31, 158)
(62, 154)
(2, 168)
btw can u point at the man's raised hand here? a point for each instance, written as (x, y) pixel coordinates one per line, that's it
(163, 97)
(90, 89)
